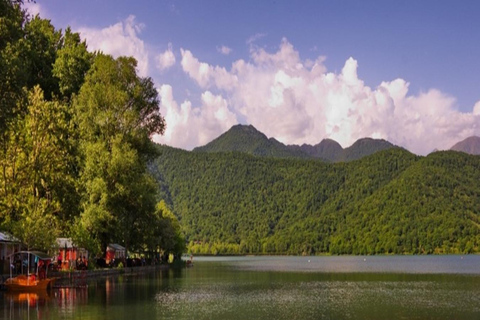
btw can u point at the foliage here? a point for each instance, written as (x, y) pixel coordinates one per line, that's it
(43, 42)
(34, 174)
(117, 112)
(167, 230)
(75, 133)
(12, 60)
(72, 63)
(390, 202)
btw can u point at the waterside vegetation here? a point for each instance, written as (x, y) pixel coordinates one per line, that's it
(392, 202)
(75, 130)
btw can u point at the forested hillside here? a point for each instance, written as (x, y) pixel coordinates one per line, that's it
(389, 202)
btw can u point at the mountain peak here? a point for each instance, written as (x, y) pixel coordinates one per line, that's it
(364, 147)
(327, 149)
(244, 128)
(247, 139)
(470, 145)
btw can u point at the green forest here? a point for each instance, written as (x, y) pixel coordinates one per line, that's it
(392, 202)
(75, 130)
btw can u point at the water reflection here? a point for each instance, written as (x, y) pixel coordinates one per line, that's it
(25, 305)
(244, 290)
(32, 299)
(67, 299)
(40, 305)
(284, 296)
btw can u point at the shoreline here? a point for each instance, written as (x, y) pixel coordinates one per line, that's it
(336, 255)
(79, 278)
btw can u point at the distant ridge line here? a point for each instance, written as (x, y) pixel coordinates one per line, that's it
(247, 139)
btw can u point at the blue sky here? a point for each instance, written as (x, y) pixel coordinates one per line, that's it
(405, 71)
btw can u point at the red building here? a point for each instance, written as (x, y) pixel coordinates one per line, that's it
(69, 255)
(115, 251)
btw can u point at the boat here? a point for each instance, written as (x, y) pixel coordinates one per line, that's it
(31, 281)
(23, 283)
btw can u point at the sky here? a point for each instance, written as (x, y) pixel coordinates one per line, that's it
(300, 71)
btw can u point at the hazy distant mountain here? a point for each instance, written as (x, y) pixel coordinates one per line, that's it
(470, 145)
(249, 140)
(364, 147)
(327, 149)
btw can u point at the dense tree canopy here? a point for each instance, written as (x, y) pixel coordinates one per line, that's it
(390, 202)
(71, 65)
(75, 133)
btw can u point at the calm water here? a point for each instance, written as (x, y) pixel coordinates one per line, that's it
(398, 287)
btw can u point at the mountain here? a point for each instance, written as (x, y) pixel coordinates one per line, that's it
(389, 202)
(327, 149)
(470, 145)
(247, 139)
(364, 147)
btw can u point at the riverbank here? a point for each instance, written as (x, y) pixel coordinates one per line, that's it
(79, 278)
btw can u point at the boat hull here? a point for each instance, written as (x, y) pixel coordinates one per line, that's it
(25, 285)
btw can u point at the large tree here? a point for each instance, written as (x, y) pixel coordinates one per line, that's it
(37, 144)
(75, 132)
(117, 112)
(37, 172)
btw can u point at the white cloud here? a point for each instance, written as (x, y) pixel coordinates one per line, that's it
(255, 37)
(224, 50)
(205, 75)
(476, 109)
(189, 126)
(34, 8)
(120, 39)
(298, 102)
(166, 60)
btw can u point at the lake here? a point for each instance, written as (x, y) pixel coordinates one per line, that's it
(344, 287)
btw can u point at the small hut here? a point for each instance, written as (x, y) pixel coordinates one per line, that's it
(8, 246)
(114, 252)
